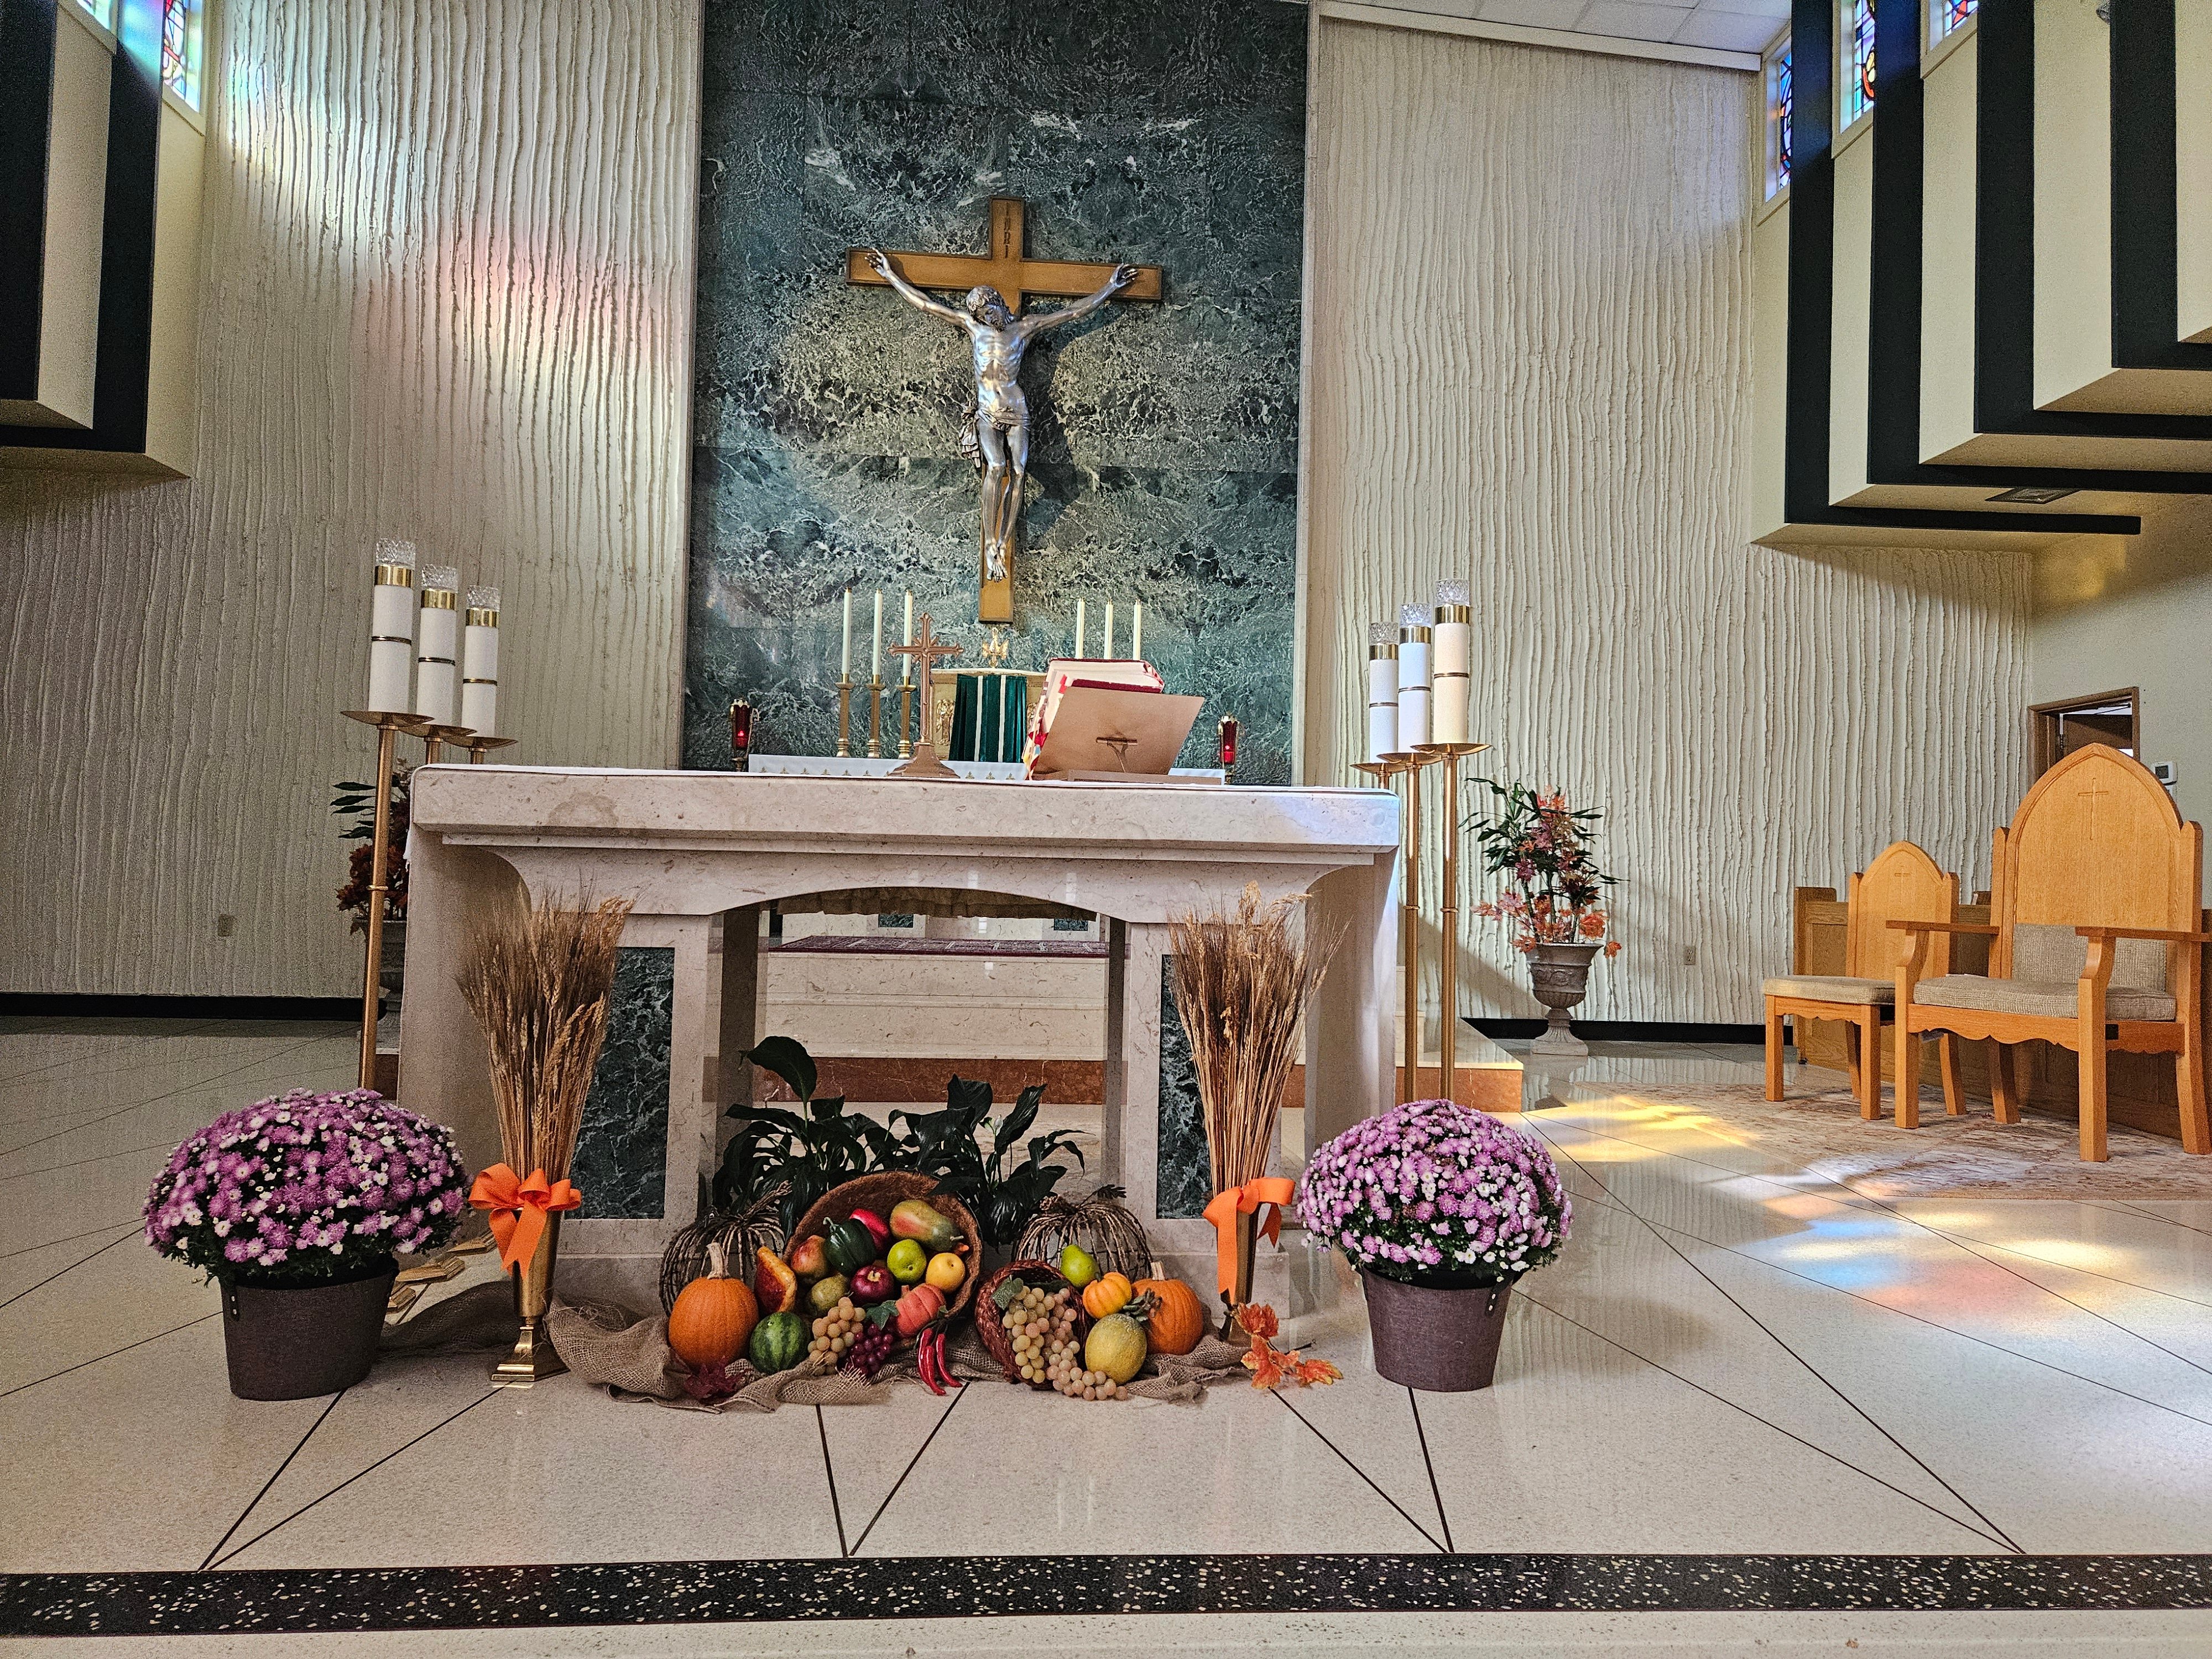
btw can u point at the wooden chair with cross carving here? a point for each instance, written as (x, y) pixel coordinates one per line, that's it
(2099, 931)
(1902, 884)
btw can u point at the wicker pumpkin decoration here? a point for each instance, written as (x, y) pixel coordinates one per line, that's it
(1098, 1221)
(742, 1236)
(713, 1316)
(1177, 1321)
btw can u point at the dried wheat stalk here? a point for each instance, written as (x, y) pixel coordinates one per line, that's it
(1242, 981)
(537, 979)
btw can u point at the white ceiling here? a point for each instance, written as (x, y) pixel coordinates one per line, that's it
(1728, 25)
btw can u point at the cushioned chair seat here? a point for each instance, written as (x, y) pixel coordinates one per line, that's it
(1832, 987)
(2045, 999)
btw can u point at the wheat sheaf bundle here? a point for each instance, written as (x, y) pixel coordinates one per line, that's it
(537, 979)
(1242, 981)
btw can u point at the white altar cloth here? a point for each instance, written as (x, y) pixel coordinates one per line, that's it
(699, 852)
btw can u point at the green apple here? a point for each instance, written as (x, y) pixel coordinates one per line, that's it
(907, 1262)
(1076, 1266)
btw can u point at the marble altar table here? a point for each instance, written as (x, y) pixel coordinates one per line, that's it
(701, 854)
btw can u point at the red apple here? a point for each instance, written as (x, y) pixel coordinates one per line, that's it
(873, 1284)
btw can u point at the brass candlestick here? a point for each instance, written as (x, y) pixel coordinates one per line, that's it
(844, 716)
(1391, 767)
(389, 726)
(478, 746)
(876, 717)
(906, 719)
(436, 737)
(1450, 754)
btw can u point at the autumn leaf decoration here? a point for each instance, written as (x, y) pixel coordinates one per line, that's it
(1271, 1366)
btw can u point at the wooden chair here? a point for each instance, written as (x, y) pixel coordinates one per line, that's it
(2099, 927)
(1903, 884)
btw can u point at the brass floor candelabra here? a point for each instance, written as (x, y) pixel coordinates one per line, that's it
(1385, 772)
(388, 725)
(1448, 933)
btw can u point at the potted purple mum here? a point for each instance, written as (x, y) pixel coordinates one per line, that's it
(296, 1206)
(1440, 1208)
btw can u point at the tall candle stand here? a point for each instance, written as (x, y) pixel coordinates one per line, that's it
(844, 716)
(1384, 772)
(389, 725)
(906, 719)
(876, 717)
(480, 744)
(1447, 931)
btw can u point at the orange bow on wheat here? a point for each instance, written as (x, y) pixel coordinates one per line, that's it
(1272, 1192)
(518, 1208)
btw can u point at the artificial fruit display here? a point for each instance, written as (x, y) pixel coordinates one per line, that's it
(906, 1261)
(878, 1229)
(946, 1272)
(827, 1292)
(1107, 1294)
(776, 1286)
(872, 1283)
(713, 1316)
(1116, 1347)
(1176, 1320)
(779, 1342)
(808, 1259)
(849, 1245)
(914, 1219)
(917, 1308)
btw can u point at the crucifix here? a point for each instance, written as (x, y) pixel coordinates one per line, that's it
(925, 650)
(997, 435)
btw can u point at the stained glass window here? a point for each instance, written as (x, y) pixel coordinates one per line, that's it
(1946, 17)
(101, 12)
(1778, 94)
(1857, 78)
(181, 49)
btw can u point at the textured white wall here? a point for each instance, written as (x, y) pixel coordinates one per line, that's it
(1530, 365)
(448, 254)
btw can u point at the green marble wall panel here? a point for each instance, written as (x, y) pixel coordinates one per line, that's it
(620, 1165)
(1164, 438)
(1186, 1169)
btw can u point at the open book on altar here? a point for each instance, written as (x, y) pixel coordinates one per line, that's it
(1103, 719)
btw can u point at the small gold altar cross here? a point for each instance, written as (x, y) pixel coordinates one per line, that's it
(1004, 267)
(925, 650)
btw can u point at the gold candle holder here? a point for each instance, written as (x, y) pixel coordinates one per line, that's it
(479, 745)
(876, 717)
(844, 716)
(389, 725)
(436, 736)
(906, 719)
(1447, 930)
(532, 1359)
(1384, 772)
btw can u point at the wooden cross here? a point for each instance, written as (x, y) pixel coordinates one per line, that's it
(1004, 267)
(925, 650)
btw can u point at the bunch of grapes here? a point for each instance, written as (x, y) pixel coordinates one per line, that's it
(837, 1331)
(1040, 1324)
(1069, 1377)
(871, 1348)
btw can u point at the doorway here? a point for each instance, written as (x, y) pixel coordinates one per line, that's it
(2111, 718)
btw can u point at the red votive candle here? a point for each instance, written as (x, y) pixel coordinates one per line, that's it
(741, 733)
(1227, 742)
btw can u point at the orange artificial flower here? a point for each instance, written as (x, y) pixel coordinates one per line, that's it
(1310, 1371)
(1258, 1320)
(1266, 1365)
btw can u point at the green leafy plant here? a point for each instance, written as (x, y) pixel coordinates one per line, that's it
(810, 1149)
(1002, 1194)
(1542, 848)
(356, 804)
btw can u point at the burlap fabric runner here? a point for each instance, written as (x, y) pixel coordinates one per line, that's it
(630, 1358)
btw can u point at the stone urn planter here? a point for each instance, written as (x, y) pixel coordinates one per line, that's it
(1559, 976)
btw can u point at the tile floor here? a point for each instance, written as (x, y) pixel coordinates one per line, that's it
(1737, 1380)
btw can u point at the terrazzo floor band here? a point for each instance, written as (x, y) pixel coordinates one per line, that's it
(317, 1601)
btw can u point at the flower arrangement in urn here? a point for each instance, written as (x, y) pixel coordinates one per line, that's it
(297, 1204)
(1440, 1208)
(1553, 907)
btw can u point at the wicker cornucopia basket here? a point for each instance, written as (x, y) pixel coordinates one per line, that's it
(993, 1329)
(880, 1192)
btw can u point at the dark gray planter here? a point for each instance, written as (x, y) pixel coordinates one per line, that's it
(1442, 1341)
(293, 1344)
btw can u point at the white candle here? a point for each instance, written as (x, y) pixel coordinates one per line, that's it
(906, 664)
(438, 646)
(1137, 631)
(1109, 650)
(1079, 626)
(480, 663)
(1382, 691)
(391, 628)
(876, 642)
(845, 656)
(1454, 659)
(1412, 676)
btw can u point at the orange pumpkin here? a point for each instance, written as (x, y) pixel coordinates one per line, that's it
(1108, 1293)
(713, 1316)
(1178, 1322)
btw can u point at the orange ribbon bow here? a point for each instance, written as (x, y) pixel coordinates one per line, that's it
(518, 1208)
(1272, 1191)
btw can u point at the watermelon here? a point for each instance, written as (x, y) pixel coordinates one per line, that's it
(779, 1343)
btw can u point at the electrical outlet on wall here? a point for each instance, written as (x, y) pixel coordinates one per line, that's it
(225, 926)
(1689, 956)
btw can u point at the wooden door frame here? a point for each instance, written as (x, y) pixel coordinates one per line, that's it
(2040, 727)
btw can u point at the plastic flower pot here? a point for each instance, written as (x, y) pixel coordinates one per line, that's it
(1441, 1340)
(292, 1343)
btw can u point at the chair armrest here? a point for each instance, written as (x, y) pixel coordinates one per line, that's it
(2173, 935)
(1989, 928)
